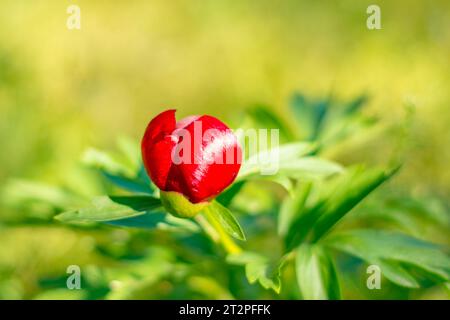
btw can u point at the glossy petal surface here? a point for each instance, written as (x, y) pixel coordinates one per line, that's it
(206, 152)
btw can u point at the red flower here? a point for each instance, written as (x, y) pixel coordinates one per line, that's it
(198, 156)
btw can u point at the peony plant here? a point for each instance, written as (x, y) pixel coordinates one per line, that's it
(191, 186)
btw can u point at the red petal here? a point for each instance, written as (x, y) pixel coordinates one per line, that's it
(163, 124)
(157, 145)
(202, 180)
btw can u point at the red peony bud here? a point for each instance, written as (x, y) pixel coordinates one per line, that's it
(197, 157)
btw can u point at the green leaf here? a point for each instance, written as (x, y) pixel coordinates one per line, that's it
(228, 195)
(395, 253)
(157, 220)
(108, 162)
(309, 167)
(316, 274)
(340, 128)
(130, 211)
(397, 274)
(288, 160)
(19, 192)
(285, 182)
(328, 121)
(424, 217)
(292, 206)
(133, 185)
(355, 105)
(108, 208)
(327, 202)
(284, 153)
(143, 176)
(310, 114)
(147, 220)
(267, 119)
(125, 170)
(225, 218)
(353, 189)
(259, 269)
(304, 114)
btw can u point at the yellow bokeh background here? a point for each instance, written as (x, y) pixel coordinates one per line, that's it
(64, 89)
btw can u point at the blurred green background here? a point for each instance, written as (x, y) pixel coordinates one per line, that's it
(62, 91)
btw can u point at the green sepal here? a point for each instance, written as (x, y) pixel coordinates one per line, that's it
(179, 206)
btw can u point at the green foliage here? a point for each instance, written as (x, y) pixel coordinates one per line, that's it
(286, 163)
(347, 194)
(132, 185)
(265, 118)
(61, 91)
(123, 170)
(316, 208)
(327, 121)
(398, 255)
(316, 274)
(322, 204)
(259, 269)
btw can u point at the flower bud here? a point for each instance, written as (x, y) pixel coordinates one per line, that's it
(197, 157)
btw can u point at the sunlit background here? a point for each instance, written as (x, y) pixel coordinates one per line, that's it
(62, 91)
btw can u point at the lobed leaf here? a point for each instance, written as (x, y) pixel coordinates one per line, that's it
(259, 269)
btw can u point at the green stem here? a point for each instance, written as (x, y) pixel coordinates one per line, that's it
(217, 233)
